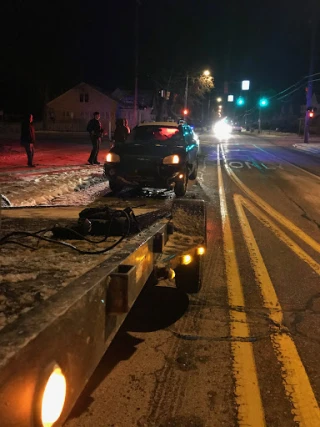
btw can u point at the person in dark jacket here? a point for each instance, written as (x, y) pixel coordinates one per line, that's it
(126, 125)
(121, 132)
(95, 130)
(28, 138)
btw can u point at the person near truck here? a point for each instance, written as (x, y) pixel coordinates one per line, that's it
(121, 131)
(95, 131)
(28, 137)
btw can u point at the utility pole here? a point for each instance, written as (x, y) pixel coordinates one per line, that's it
(186, 93)
(310, 84)
(136, 65)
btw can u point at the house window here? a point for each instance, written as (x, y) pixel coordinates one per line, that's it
(81, 97)
(86, 97)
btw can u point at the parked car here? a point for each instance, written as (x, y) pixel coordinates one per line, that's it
(156, 154)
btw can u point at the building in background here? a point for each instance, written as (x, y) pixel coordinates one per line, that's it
(72, 110)
(125, 108)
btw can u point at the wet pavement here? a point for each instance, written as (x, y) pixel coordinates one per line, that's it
(244, 351)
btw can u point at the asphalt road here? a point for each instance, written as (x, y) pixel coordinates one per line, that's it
(245, 350)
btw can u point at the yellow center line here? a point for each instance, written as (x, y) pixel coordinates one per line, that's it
(295, 379)
(272, 212)
(248, 398)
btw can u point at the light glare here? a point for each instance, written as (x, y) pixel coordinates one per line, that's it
(53, 398)
(186, 259)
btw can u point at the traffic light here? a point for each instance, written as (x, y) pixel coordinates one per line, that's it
(263, 102)
(240, 101)
(311, 112)
(185, 112)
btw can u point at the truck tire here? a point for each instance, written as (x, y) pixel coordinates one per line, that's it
(115, 186)
(188, 277)
(194, 172)
(180, 188)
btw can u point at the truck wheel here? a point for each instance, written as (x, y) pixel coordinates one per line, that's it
(115, 186)
(188, 277)
(194, 172)
(181, 187)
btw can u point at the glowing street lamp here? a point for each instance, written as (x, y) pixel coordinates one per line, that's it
(219, 99)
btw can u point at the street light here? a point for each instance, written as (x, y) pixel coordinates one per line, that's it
(219, 99)
(206, 73)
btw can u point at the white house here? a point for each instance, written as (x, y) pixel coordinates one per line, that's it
(72, 110)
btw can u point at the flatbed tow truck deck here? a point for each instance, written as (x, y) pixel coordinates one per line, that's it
(60, 310)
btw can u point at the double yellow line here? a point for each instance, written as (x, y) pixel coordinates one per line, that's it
(248, 398)
(295, 379)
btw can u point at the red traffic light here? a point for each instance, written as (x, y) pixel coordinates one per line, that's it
(185, 112)
(311, 114)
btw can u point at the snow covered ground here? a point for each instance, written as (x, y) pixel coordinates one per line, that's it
(311, 148)
(61, 168)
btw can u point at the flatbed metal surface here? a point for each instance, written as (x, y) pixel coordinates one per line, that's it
(29, 277)
(72, 327)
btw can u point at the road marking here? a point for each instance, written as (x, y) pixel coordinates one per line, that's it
(238, 164)
(248, 398)
(286, 161)
(294, 376)
(278, 232)
(272, 212)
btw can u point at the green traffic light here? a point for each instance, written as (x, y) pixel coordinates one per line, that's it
(263, 102)
(240, 101)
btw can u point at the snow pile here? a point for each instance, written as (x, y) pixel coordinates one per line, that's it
(42, 188)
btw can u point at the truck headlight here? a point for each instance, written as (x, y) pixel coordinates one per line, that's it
(53, 397)
(171, 160)
(112, 158)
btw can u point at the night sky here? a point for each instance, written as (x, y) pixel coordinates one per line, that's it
(47, 47)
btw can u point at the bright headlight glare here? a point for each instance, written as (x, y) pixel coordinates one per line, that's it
(112, 158)
(171, 160)
(186, 259)
(222, 128)
(53, 397)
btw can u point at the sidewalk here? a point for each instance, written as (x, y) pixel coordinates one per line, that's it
(312, 148)
(48, 155)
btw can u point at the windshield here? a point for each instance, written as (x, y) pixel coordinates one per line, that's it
(154, 133)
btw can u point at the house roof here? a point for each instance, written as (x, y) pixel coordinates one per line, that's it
(85, 84)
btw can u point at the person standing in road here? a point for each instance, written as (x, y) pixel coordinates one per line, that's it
(28, 138)
(126, 125)
(121, 132)
(95, 130)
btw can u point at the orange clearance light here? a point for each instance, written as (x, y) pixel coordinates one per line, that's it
(53, 398)
(201, 250)
(186, 259)
(181, 176)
